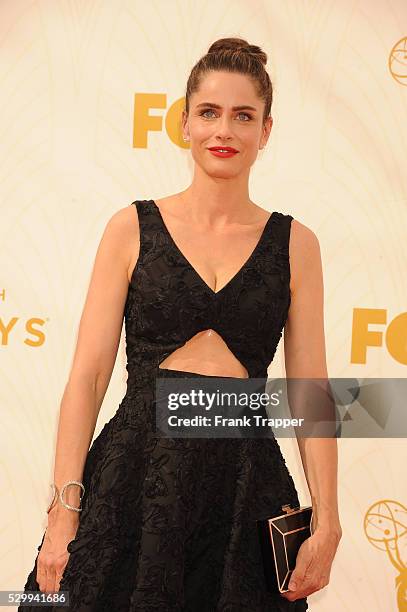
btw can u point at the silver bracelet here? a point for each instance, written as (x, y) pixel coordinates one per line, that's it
(55, 496)
(70, 482)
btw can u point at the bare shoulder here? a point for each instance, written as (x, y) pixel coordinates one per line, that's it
(124, 232)
(168, 204)
(302, 237)
(304, 251)
(125, 220)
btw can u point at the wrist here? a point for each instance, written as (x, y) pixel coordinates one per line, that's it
(60, 514)
(325, 520)
(329, 527)
(66, 497)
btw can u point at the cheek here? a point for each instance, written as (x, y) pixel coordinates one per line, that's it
(251, 139)
(201, 133)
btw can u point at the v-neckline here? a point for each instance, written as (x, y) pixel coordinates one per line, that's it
(196, 273)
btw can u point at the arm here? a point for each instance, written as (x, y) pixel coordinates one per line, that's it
(304, 351)
(97, 344)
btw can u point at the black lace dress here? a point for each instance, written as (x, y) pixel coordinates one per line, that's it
(169, 524)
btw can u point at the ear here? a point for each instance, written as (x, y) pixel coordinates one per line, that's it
(184, 124)
(266, 132)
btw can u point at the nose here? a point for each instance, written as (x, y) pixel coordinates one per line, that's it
(224, 130)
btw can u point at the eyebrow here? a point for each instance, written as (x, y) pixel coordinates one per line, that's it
(234, 108)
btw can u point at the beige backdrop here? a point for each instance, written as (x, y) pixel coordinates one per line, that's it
(73, 151)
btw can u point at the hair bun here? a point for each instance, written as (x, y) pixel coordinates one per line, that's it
(238, 45)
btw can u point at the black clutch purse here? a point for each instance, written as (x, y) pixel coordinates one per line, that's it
(280, 539)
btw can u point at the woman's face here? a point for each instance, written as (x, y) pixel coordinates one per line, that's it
(213, 121)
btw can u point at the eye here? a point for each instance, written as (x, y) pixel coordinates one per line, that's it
(247, 115)
(210, 110)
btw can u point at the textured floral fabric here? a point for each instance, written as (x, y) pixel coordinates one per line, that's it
(169, 524)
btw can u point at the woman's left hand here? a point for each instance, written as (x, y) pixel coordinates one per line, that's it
(313, 565)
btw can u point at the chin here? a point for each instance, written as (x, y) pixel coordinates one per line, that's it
(222, 174)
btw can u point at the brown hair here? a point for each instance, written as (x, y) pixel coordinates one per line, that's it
(234, 55)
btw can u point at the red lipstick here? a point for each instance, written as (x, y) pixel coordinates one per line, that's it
(223, 151)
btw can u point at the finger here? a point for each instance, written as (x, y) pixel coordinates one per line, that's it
(41, 577)
(301, 582)
(58, 577)
(299, 573)
(50, 579)
(308, 586)
(303, 564)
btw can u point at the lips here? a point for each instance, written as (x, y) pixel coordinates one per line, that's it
(228, 149)
(223, 152)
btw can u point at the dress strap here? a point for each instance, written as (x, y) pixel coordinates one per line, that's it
(148, 226)
(281, 231)
(287, 230)
(281, 249)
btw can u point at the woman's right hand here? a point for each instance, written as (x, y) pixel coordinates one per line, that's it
(53, 556)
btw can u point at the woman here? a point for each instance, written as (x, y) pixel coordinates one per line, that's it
(206, 280)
